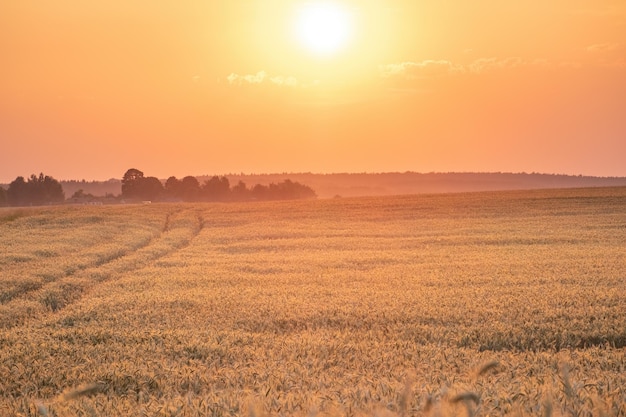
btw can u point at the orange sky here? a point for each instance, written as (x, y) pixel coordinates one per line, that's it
(89, 89)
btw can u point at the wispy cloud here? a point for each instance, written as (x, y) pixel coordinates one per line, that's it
(608, 55)
(482, 65)
(432, 68)
(424, 69)
(604, 47)
(287, 81)
(262, 77)
(238, 79)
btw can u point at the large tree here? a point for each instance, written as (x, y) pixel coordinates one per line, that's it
(136, 186)
(131, 183)
(216, 189)
(190, 188)
(286, 190)
(173, 187)
(151, 188)
(240, 192)
(18, 193)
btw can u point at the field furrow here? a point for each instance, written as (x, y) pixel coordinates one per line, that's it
(34, 253)
(57, 291)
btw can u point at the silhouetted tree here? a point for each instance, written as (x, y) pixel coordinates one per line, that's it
(190, 190)
(150, 188)
(3, 197)
(131, 183)
(80, 194)
(286, 190)
(216, 189)
(39, 190)
(289, 190)
(46, 189)
(259, 192)
(18, 194)
(136, 186)
(173, 187)
(240, 192)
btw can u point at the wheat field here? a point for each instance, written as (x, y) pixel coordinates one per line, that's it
(478, 304)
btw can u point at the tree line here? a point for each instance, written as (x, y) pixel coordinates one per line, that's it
(136, 186)
(36, 191)
(43, 189)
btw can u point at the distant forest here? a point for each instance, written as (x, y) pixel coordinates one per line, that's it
(405, 183)
(43, 189)
(325, 185)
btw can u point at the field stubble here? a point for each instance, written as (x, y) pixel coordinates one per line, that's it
(348, 306)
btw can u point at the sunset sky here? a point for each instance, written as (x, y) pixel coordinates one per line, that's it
(89, 89)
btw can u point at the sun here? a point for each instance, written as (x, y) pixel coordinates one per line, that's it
(324, 28)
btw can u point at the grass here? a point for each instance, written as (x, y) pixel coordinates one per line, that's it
(479, 304)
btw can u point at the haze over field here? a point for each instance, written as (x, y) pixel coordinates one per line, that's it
(89, 89)
(386, 184)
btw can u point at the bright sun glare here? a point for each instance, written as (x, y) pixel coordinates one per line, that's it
(323, 27)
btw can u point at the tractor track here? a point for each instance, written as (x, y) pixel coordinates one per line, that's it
(79, 267)
(50, 296)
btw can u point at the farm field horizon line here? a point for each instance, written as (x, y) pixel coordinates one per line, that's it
(347, 184)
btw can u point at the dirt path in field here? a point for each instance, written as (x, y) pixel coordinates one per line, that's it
(179, 229)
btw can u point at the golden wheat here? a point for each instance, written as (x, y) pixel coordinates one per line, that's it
(481, 304)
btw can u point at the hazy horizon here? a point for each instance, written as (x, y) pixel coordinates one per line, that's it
(255, 174)
(89, 90)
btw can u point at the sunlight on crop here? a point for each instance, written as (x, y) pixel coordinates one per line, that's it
(472, 304)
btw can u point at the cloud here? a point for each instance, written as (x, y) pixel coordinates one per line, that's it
(608, 55)
(237, 79)
(432, 68)
(603, 47)
(262, 77)
(424, 69)
(286, 81)
(482, 65)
